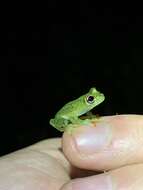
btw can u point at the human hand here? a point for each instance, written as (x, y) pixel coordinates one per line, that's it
(115, 146)
(41, 166)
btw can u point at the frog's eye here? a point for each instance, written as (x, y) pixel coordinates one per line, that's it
(90, 99)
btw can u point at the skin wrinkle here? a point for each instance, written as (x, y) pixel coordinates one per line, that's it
(128, 177)
(123, 154)
(56, 155)
(134, 185)
(16, 163)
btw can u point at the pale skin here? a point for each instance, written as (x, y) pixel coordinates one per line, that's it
(44, 166)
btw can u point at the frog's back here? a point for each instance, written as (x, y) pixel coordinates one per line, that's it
(72, 108)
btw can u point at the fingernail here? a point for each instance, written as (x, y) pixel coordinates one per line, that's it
(102, 182)
(92, 139)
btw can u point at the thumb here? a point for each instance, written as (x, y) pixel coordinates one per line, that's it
(115, 141)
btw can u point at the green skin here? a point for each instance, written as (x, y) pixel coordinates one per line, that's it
(70, 112)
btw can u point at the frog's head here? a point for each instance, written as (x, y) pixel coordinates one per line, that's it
(93, 98)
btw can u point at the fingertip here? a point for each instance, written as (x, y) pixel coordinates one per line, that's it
(114, 142)
(82, 146)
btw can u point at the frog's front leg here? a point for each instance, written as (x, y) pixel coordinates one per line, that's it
(78, 121)
(74, 123)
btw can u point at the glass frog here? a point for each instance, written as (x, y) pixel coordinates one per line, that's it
(70, 112)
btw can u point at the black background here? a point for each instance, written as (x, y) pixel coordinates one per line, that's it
(54, 53)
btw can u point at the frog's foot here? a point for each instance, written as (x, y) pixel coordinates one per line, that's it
(70, 128)
(91, 121)
(80, 122)
(85, 122)
(75, 124)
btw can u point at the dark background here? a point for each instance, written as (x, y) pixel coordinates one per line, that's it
(56, 54)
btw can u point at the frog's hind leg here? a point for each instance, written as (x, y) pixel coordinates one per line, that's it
(61, 124)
